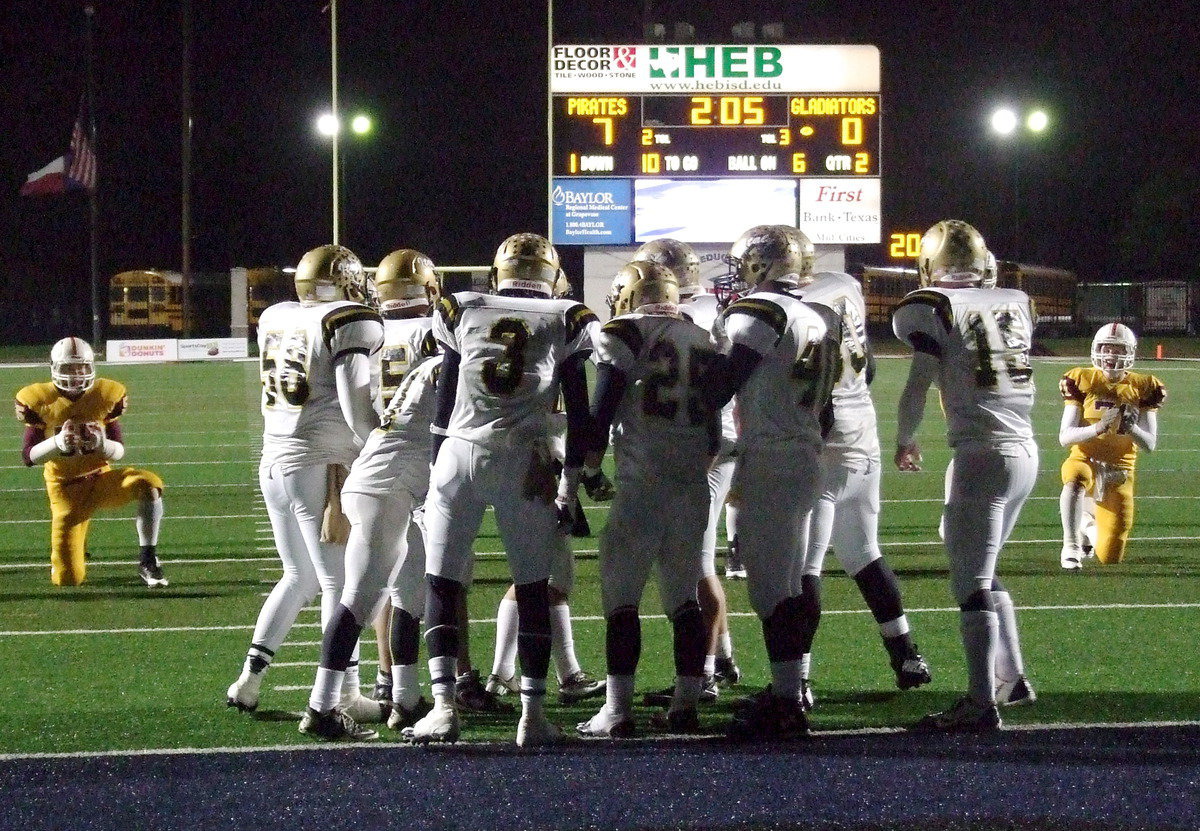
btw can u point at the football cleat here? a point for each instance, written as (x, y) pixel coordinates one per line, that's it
(472, 696)
(578, 686)
(440, 724)
(727, 671)
(153, 577)
(685, 720)
(912, 671)
(334, 726)
(365, 710)
(383, 687)
(402, 717)
(1015, 693)
(769, 718)
(709, 693)
(502, 686)
(964, 717)
(1071, 558)
(243, 693)
(535, 730)
(608, 725)
(597, 486)
(735, 569)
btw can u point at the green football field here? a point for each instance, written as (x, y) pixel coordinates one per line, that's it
(112, 665)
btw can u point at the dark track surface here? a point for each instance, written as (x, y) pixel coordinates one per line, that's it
(1060, 779)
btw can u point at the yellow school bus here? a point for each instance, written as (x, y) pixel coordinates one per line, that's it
(146, 298)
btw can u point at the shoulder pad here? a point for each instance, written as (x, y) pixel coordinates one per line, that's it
(1154, 396)
(1068, 387)
(118, 409)
(831, 316)
(578, 318)
(624, 330)
(939, 302)
(448, 307)
(26, 414)
(346, 314)
(760, 308)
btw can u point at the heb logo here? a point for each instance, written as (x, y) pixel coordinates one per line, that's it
(625, 57)
(715, 62)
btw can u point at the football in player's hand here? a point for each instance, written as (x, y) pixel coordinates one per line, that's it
(68, 438)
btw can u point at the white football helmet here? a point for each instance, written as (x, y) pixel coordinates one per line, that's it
(405, 279)
(677, 256)
(73, 366)
(333, 272)
(527, 262)
(766, 253)
(953, 255)
(1113, 350)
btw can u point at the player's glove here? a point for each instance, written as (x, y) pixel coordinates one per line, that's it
(599, 487)
(68, 439)
(1108, 418)
(1129, 418)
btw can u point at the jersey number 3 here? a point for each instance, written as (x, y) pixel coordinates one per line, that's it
(502, 375)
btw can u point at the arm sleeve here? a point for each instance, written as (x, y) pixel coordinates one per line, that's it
(727, 375)
(352, 372)
(911, 407)
(610, 389)
(575, 400)
(1072, 430)
(447, 388)
(35, 449)
(1145, 432)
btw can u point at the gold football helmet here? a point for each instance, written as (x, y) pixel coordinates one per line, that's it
(677, 256)
(405, 279)
(527, 262)
(562, 286)
(765, 253)
(651, 284)
(952, 254)
(73, 366)
(991, 273)
(333, 272)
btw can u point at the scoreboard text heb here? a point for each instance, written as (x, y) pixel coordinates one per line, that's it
(716, 135)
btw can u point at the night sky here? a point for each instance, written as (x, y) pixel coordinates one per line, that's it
(457, 159)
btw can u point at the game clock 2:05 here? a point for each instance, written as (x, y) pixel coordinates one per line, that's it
(716, 135)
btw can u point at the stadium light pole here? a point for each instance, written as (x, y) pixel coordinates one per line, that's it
(1007, 124)
(330, 126)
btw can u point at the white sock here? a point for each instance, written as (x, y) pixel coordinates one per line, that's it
(687, 692)
(149, 517)
(710, 665)
(326, 690)
(442, 675)
(1070, 509)
(618, 694)
(725, 645)
(406, 685)
(351, 686)
(562, 642)
(805, 665)
(533, 695)
(786, 678)
(895, 627)
(1009, 663)
(505, 663)
(979, 635)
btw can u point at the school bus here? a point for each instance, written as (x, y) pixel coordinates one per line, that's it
(146, 298)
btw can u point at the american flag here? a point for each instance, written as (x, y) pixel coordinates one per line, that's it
(81, 170)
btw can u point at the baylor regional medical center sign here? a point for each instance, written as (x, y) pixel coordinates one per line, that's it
(699, 142)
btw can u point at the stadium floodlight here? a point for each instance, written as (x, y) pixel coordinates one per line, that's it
(1037, 121)
(327, 125)
(361, 124)
(1004, 121)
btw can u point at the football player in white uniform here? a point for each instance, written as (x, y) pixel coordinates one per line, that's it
(847, 513)
(506, 358)
(315, 362)
(781, 364)
(385, 552)
(1109, 414)
(408, 288)
(701, 308)
(648, 363)
(974, 344)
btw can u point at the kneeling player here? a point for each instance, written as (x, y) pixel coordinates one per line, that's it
(71, 427)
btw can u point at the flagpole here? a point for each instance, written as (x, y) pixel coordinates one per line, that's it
(93, 207)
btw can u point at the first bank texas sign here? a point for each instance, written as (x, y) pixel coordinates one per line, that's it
(713, 68)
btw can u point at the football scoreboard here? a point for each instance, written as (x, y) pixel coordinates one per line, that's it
(700, 142)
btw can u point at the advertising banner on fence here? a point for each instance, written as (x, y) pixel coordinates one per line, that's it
(142, 351)
(213, 349)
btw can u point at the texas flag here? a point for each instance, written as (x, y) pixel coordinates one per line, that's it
(74, 171)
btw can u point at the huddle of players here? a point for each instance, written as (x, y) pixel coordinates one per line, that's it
(788, 343)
